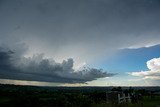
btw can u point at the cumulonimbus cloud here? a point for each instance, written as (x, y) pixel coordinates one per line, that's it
(153, 72)
(38, 68)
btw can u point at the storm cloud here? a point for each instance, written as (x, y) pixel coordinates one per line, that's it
(86, 30)
(38, 68)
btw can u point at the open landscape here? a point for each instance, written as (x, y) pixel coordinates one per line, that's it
(79, 53)
(27, 96)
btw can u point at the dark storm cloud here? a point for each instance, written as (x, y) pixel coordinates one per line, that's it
(85, 30)
(96, 28)
(38, 68)
(5, 60)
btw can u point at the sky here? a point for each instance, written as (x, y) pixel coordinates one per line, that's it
(80, 42)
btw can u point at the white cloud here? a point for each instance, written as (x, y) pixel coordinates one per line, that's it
(153, 72)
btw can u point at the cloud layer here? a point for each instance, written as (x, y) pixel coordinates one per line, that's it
(38, 68)
(85, 30)
(153, 72)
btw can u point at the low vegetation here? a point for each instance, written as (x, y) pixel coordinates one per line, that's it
(27, 96)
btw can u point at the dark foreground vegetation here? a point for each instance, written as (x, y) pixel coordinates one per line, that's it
(30, 96)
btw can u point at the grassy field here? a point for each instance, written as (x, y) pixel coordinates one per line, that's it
(148, 101)
(151, 101)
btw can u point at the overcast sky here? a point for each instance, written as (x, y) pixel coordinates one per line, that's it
(75, 33)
